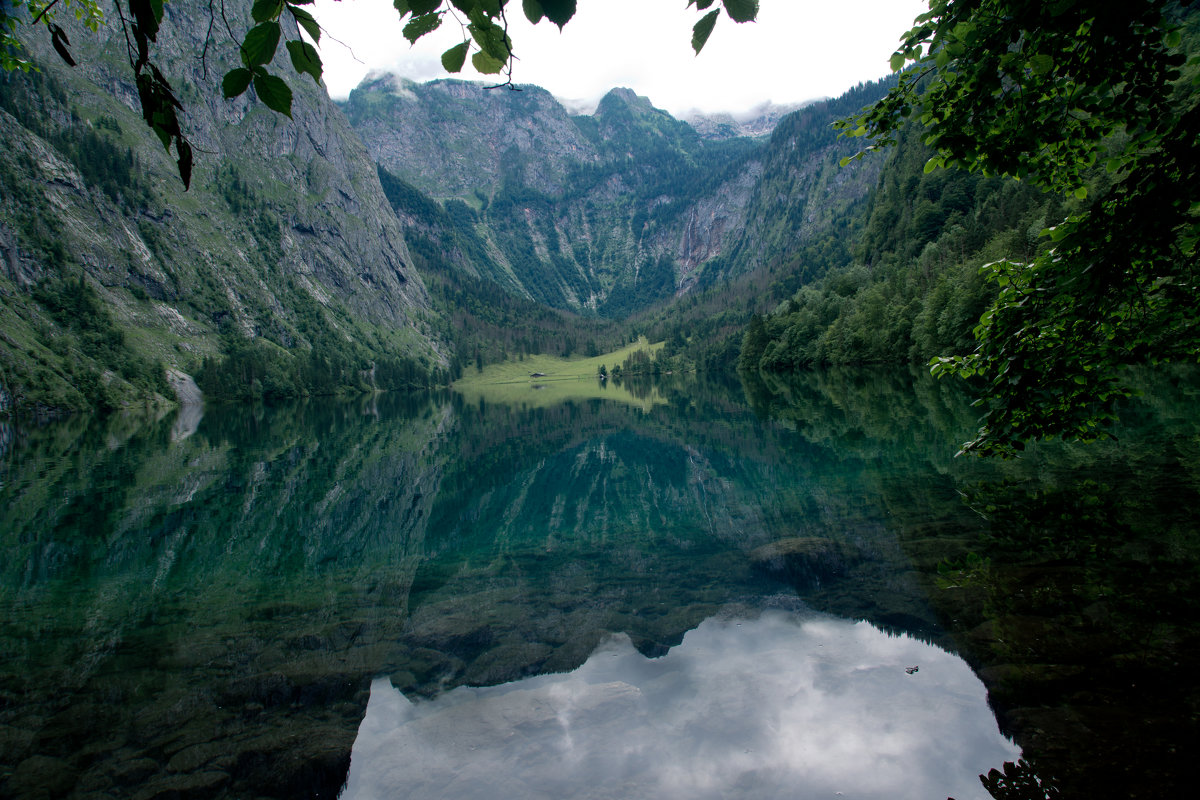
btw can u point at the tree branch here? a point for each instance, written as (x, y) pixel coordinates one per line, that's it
(42, 13)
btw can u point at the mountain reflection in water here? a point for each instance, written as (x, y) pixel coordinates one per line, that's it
(777, 704)
(197, 607)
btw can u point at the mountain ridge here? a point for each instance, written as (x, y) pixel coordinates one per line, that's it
(606, 213)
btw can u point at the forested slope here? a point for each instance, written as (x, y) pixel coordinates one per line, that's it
(488, 320)
(909, 287)
(282, 267)
(1044, 288)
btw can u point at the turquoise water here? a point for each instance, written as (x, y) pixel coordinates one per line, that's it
(716, 597)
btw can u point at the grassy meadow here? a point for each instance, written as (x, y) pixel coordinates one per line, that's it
(540, 381)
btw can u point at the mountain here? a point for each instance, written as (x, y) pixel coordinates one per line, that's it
(607, 213)
(602, 213)
(450, 138)
(805, 194)
(904, 282)
(284, 252)
(429, 226)
(757, 122)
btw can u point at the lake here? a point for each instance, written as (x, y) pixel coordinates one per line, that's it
(676, 587)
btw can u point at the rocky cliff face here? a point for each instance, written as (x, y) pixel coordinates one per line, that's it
(284, 230)
(803, 189)
(455, 139)
(615, 211)
(609, 212)
(759, 121)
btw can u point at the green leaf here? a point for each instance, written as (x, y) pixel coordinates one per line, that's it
(185, 161)
(1041, 64)
(306, 21)
(146, 16)
(741, 10)
(486, 64)
(454, 58)
(58, 38)
(305, 59)
(932, 164)
(1081, 193)
(703, 29)
(491, 39)
(264, 10)
(701, 4)
(259, 46)
(897, 61)
(558, 11)
(275, 94)
(420, 7)
(401, 6)
(533, 12)
(419, 26)
(235, 82)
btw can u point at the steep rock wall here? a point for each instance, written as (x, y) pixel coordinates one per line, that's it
(285, 234)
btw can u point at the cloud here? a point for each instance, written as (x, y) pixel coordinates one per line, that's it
(795, 52)
(773, 706)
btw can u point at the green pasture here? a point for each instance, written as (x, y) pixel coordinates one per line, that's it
(540, 381)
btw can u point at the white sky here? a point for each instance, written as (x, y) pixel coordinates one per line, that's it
(798, 50)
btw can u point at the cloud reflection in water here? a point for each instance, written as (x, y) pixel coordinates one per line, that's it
(778, 705)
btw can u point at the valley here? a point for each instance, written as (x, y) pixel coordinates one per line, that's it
(452, 436)
(510, 227)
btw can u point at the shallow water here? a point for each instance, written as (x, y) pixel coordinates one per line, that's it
(430, 597)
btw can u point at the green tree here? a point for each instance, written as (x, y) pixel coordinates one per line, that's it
(754, 343)
(1058, 93)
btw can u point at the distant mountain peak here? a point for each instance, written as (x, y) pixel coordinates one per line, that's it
(758, 122)
(622, 97)
(389, 82)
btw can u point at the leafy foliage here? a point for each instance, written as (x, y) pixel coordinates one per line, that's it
(258, 49)
(905, 285)
(1046, 95)
(1011, 87)
(485, 26)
